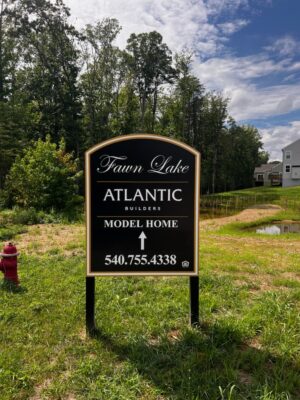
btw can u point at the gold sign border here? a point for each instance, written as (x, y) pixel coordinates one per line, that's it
(124, 138)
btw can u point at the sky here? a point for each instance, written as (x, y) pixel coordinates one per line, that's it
(249, 50)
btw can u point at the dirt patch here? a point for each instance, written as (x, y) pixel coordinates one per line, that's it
(154, 341)
(265, 207)
(174, 335)
(291, 275)
(82, 335)
(245, 378)
(262, 283)
(40, 388)
(40, 239)
(248, 215)
(255, 343)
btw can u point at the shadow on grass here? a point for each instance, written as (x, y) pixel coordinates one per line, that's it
(11, 287)
(210, 362)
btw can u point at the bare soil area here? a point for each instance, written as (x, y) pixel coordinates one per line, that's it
(39, 239)
(248, 215)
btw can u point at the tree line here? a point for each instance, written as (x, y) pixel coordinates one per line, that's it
(79, 87)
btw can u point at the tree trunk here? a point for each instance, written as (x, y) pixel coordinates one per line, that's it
(1, 52)
(143, 109)
(214, 172)
(154, 108)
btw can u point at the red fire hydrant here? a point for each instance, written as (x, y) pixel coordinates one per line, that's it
(9, 263)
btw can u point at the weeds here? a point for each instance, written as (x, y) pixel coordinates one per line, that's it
(224, 204)
(246, 348)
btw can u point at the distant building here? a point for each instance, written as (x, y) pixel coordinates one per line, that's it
(268, 174)
(291, 164)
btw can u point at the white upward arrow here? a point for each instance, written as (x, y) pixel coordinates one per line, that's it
(142, 237)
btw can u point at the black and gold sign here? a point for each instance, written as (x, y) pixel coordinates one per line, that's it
(142, 200)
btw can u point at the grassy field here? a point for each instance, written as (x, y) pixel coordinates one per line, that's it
(247, 346)
(265, 191)
(229, 203)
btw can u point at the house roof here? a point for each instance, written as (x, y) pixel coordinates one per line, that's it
(277, 167)
(291, 144)
(263, 168)
(268, 168)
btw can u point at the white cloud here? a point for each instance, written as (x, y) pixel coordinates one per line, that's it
(220, 72)
(182, 23)
(229, 6)
(194, 24)
(234, 77)
(228, 28)
(284, 46)
(277, 137)
(250, 102)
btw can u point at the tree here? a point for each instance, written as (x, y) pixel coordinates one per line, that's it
(263, 157)
(150, 61)
(10, 116)
(15, 121)
(49, 70)
(184, 106)
(9, 51)
(244, 153)
(45, 177)
(215, 116)
(126, 116)
(81, 88)
(101, 82)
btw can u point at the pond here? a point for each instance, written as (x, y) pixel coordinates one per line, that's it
(279, 228)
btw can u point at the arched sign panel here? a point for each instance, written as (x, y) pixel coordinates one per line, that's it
(142, 205)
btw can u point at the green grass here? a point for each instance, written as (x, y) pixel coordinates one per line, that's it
(134, 354)
(228, 203)
(262, 190)
(7, 232)
(248, 228)
(246, 348)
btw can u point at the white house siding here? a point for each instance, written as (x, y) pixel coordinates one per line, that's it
(291, 165)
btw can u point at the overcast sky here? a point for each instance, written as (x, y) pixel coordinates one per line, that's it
(248, 49)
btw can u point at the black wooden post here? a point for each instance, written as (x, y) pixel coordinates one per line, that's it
(194, 300)
(90, 304)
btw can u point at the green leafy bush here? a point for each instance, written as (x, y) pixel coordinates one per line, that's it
(45, 178)
(30, 216)
(9, 232)
(24, 217)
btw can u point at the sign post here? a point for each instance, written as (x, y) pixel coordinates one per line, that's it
(90, 304)
(194, 300)
(142, 208)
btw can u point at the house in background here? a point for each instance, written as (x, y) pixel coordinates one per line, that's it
(291, 164)
(268, 174)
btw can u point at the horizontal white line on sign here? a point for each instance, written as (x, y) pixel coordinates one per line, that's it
(142, 181)
(142, 216)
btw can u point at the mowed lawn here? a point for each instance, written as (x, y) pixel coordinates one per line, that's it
(247, 346)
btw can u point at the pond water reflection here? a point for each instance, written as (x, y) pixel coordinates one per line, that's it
(279, 228)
